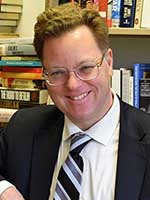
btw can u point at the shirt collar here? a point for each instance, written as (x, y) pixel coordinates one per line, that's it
(103, 130)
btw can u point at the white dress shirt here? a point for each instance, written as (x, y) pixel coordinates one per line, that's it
(99, 156)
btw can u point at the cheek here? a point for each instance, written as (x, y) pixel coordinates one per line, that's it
(55, 93)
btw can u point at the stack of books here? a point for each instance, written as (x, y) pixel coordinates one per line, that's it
(10, 12)
(21, 81)
(133, 85)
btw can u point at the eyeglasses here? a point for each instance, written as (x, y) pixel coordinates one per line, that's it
(58, 76)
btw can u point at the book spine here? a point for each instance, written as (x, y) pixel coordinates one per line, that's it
(16, 49)
(138, 13)
(145, 21)
(136, 89)
(116, 81)
(19, 2)
(103, 9)
(20, 63)
(21, 69)
(30, 76)
(116, 5)
(127, 13)
(126, 73)
(6, 114)
(109, 13)
(145, 95)
(34, 96)
(11, 104)
(131, 90)
(23, 83)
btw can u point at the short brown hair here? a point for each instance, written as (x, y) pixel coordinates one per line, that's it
(58, 20)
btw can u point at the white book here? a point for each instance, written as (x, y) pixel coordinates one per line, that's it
(6, 114)
(12, 16)
(12, 2)
(10, 8)
(131, 90)
(145, 21)
(138, 13)
(16, 49)
(8, 22)
(17, 40)
(116, 81)
(125, 80)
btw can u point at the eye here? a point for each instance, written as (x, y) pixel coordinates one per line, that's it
(86, 68)
(57, 73)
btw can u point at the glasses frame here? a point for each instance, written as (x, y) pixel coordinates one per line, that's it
(98, 65)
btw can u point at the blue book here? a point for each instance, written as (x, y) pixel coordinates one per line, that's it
(140, 71)
(21, 63)
(127, 13)
(115, 13)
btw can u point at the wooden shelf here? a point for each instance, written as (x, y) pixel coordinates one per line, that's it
(129, 31)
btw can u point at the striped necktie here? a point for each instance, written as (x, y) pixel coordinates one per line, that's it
(68, 185)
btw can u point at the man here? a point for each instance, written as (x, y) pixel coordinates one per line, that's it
(73, 46)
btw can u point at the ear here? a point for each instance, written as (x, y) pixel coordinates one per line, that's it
(109, 60)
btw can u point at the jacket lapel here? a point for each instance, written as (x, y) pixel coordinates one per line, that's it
(131, 161)
(45, 152)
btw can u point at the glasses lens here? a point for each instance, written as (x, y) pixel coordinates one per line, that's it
(56, 76)
(87, 72)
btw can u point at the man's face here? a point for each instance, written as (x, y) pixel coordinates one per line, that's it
(84, 102)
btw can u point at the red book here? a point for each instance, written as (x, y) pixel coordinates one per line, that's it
(22, 69)
(103, 8)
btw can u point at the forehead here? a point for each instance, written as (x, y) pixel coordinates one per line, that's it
(70, 48)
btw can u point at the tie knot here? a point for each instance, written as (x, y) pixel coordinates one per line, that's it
(78, 142)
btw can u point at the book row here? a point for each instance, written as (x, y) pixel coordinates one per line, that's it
(122, 13)
(10, 12)
(133, 85)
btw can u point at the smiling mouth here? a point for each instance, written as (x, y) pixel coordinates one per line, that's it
(80, 97)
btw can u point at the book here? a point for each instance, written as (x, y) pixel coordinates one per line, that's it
(26, 95)
(16, 58)
(22, 63)
(138, 13)
(22, 83)
(116, 5)
(5, 35)
(109, 13)
(10, 8)
(131, 90)
(145, 21)
(22, 69)
(21, 75)
(127, 13)
(12, 16)
(6, 114)
(103, 9)
(140, 72)
(145, 95)
(11, 104)
(125, 82)
(11, 2)
(7, 22)
(18, 40)
(17, 49)
(122, 83)
(116, 81)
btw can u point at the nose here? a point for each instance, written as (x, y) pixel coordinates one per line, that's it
(73, 81)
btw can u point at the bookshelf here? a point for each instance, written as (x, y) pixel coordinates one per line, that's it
(130, 46)
(129, 31)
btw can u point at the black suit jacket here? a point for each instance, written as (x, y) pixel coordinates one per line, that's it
(30, 143)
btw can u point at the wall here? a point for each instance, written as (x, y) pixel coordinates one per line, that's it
(130, 49)
(31, 9)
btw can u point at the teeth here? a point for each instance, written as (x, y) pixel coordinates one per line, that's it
(80, 96)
